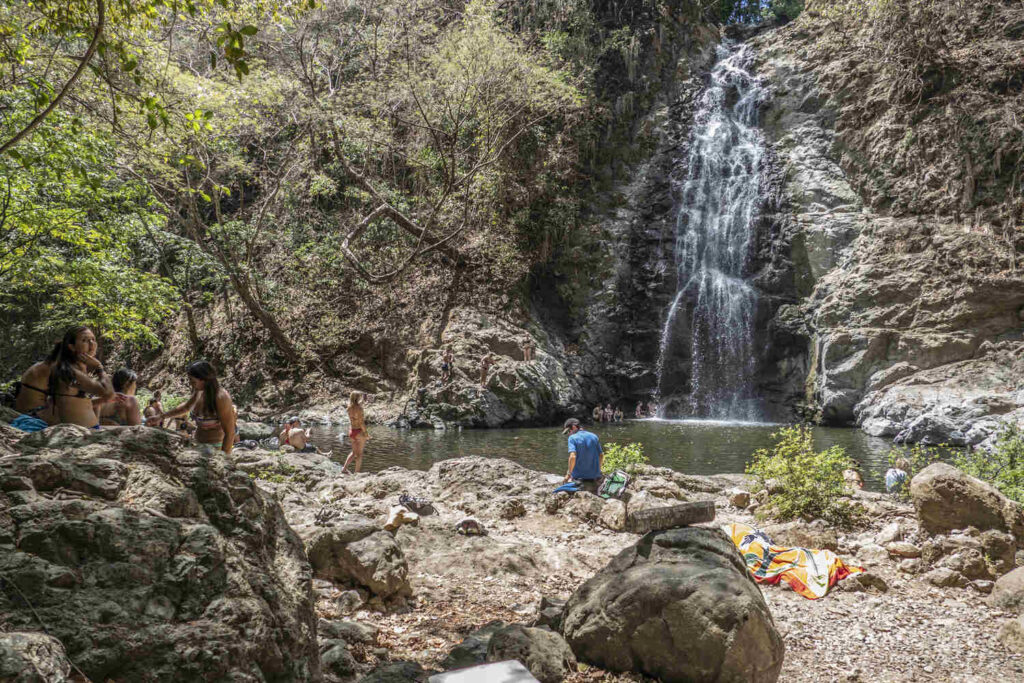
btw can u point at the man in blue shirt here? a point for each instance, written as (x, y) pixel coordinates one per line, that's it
(585, 455)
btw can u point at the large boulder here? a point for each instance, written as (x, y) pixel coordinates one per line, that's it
(1008, 593)
(679, 605)
(32, 658)
(947, 499)
(355, 552)
(150, 562)
(543, 652)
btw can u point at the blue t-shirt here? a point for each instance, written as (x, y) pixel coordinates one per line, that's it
(588, 455)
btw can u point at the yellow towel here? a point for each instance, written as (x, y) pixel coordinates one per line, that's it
(809, 572)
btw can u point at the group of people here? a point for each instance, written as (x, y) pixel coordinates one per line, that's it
(291, 433)
(71, 386)
(487, 361)
(650, 411)
(607, 414)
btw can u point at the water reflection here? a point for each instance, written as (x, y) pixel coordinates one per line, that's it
(691, 446)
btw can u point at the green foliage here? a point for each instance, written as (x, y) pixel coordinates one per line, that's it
(805, 484)
(1003, 467)
(628, 457)
(281, 473)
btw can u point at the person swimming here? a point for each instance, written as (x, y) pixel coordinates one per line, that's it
(210, 408)
(357, 433)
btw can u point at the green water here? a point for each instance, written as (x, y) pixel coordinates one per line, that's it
(690, 446)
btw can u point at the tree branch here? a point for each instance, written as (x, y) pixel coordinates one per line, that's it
(34, 123)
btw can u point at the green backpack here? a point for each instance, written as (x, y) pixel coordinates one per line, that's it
(614, 484)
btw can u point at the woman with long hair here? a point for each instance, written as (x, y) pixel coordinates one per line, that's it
(357, 433)
(155, 407)
(212, 410)
(124, 409)
(76, 376)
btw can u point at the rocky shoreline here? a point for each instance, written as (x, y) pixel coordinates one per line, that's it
(274, 565)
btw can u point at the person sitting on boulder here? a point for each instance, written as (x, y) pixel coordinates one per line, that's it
(897, 475)
(211, 408)
(124, 409)
(75, 374)
(598, 414)
(298, 438)
(609, 413)
(585, 456)
(639, 410)
(155, 406)
(618, 415)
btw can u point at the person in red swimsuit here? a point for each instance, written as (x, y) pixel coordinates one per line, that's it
(357, 433)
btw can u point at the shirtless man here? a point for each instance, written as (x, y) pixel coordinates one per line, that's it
(447, 363)
(598, 414)
(485, 365)
(528, 350)
(298, 438)
(357, 433)
(639, 410)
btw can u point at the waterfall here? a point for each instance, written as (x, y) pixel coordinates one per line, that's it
(711, 318)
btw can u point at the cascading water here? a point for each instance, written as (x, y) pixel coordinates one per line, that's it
(714, 308)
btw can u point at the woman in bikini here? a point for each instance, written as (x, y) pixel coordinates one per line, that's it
(124, 410)
(155, 407)
(74, 375)
(357, 433)
(211, 408)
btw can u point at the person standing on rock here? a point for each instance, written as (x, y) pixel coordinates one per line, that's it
(528, 350)
(585, 456)
(485, 365)
(447, 364)
(357, 433)
(211, 408)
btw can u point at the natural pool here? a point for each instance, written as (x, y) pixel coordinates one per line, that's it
(691, 446)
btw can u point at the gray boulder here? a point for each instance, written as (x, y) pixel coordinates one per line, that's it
(396, 672)
(1008, 593)
(679, 605)
(32, 658)
(355, 552)
(473, 649)
(255, 431)
(543, 652)
(945, 499)
(160, 564)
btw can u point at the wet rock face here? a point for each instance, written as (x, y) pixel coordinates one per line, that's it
(909, 316)
(679, 606)
(148, 561)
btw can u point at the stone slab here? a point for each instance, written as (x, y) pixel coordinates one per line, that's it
(509, 671)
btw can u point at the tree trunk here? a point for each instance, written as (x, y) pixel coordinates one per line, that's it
(658, 519)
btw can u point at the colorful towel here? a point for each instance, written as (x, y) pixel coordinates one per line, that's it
(808, 572)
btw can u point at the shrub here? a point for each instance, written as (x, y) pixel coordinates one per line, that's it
(1003, 467)
(805, 484)
(628, 458)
